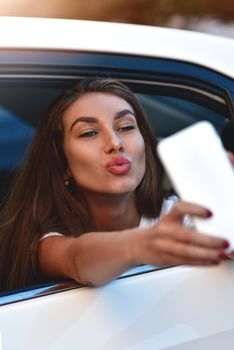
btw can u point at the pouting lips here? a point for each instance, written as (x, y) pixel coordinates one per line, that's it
(118, 166)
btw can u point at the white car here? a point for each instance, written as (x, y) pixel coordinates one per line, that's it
(180, 77)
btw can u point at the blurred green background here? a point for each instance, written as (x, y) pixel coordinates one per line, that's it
(215, 16)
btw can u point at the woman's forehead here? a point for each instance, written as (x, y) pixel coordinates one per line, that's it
(93, 103)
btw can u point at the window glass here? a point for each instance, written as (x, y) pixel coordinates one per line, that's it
(22, 105)
(15, 135)
(168, 114)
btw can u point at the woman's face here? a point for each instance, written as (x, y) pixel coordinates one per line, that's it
(103, 145)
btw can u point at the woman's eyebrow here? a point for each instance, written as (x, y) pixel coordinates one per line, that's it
(83, 119)
(122, 113)
(87, 119)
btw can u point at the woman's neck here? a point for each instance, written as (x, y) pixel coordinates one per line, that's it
(113, 213)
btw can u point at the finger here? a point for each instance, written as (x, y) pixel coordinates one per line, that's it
(185, 208)
(194, 237)
(198, 261)
(170, 259)
(189, 253)
(175, 260)
(178, 232)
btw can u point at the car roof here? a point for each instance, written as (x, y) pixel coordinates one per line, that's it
(211, 51)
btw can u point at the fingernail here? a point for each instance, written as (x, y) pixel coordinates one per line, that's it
(222, 256)
(208, 213)
(226, 244)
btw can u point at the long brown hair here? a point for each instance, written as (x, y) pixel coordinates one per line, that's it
(40, 202)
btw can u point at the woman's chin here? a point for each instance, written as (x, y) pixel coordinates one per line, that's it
(121, 189)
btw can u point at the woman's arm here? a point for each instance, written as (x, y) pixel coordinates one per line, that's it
(94, 258)
(97, 258)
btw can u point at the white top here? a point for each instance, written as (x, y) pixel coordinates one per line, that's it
(145, 222)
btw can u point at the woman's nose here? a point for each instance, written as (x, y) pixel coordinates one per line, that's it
(113, 144)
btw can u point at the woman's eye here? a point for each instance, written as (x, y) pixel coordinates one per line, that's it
(88, 133)
(126, 128)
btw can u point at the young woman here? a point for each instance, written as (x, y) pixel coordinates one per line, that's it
(89, 203)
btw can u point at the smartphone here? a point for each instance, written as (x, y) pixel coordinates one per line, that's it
(200, 171)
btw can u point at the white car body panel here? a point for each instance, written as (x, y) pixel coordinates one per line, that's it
(207, 50)
(174, 308)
